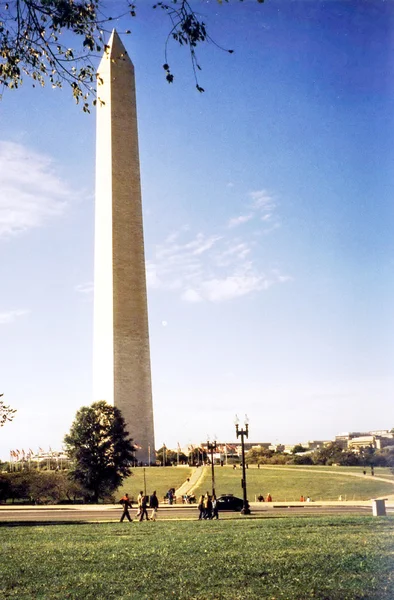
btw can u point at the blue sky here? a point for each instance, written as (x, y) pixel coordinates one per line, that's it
(269, 222)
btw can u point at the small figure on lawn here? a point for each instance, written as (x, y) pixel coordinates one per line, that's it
(207, 506)
(201, 508)
(268, 498)
(144, 505)
(215, 508)
(139, 502)
(125, 502)
(154, 504)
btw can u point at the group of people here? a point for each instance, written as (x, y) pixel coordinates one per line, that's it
(208, 507)
(143, 502)
(268, 498)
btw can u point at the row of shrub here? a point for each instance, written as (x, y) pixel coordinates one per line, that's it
(328, 455)
(40, 487)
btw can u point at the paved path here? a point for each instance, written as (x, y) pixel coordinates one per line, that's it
(187, 487)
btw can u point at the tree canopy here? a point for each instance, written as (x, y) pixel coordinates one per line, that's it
(100, 448)
(170, 456)
(6, 412)
(299, 448)
(35, 36)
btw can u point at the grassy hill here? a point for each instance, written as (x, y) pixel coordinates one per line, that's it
(156, 478)
(289, 483)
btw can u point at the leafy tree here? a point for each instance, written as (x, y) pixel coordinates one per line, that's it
(19, 488)
(38, 487)
(384, 457)
(5, 488)
(302, 459)
(34, 36)
(328, 455)
(258, 455)
(299, 448)
(349, 459)
(170, 456)
(367, 454)
(6, 412)
(197, 456)
(100, 448)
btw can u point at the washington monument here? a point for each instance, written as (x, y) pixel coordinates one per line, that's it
(121, 357)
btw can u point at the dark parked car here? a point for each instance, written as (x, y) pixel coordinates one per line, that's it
(229, 502)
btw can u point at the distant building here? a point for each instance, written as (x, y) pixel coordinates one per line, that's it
(383, 433)
(316, 444)
(372, 441)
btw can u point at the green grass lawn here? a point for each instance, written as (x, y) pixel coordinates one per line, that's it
(326, 558)
(288, 484)
(156, 478)
(379, 471)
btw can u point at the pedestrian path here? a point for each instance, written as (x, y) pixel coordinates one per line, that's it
(187, 487)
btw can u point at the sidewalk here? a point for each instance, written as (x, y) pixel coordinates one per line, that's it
(188, 486)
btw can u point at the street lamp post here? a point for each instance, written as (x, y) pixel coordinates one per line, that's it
(211, 446)
(243, 433)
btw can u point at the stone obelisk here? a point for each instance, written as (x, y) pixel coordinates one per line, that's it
(121, 356)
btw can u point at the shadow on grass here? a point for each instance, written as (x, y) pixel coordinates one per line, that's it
(44, 523)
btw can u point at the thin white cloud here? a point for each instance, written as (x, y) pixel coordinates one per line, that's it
(235, 221)
(11, 315)
(191, 295)
(31, 190)
(238, 249)
(217, 290)
(261, 206)
(261, 199)
(212, 268)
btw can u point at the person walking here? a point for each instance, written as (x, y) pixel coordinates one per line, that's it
(139, 502)
(154, 504)
(125, 501)
(215, 508)
(201, 508)
(144, 505)
(207, 506)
